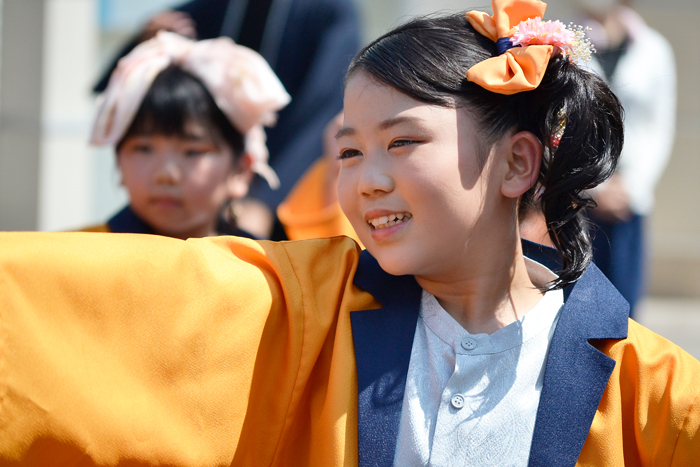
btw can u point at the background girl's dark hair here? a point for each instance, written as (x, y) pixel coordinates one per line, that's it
(428, 58)
(176, 98)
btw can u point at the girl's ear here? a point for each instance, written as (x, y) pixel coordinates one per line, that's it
(239, 180)
(523, 157)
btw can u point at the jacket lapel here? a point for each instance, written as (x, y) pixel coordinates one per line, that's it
(576, 373)
(383, 339)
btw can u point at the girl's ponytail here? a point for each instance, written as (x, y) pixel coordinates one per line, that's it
(579, 121)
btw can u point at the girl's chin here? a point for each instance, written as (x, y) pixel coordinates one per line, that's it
(393, 263)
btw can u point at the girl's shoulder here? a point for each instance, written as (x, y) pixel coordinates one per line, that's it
(657, 361)
(650, 348)
(654, 390)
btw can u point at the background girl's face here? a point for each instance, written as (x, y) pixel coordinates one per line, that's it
(178, 184)
(411, 183)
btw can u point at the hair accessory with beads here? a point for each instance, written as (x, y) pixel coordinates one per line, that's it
(561, 128)
(525, 44)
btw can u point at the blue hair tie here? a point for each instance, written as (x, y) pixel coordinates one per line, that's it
(504, 44)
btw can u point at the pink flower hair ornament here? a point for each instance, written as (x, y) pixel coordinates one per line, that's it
(570, 41)
(240, 81)
(525, 43)
(534, 31)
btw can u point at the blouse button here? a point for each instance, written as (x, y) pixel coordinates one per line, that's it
(457, 401)
(468, 344)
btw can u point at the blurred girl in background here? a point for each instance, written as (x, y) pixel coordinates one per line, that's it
(185, 119)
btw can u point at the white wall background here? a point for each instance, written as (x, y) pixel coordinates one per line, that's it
(66, 162)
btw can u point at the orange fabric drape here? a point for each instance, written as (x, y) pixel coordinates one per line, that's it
(121, 349)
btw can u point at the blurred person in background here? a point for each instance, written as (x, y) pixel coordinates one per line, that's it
(185, 119)
(638, 64)
(308, 44)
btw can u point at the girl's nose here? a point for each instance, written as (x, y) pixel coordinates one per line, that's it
(375, 178)
(168, 171)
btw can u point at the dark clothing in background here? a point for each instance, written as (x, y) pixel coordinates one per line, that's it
(609, 58)
(618, 251)
(309, 44)
(126, 221)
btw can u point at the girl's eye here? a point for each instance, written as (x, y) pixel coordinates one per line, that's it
(347, 153)
(143, 149)
(196, 153)
(400, 143)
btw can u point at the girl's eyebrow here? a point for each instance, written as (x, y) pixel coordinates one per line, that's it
(195, 138)
(384, 125)
(345, 131)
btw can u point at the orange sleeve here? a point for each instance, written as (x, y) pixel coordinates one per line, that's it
(146, 350)
(304, 213)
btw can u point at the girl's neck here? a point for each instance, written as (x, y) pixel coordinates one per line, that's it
(499, 293)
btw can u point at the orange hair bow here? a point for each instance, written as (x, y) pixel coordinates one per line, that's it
(518, 69)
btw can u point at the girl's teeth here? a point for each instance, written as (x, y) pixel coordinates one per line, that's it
(390, 220)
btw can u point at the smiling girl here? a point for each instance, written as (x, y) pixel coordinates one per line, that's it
(185, 120)
(441, 344)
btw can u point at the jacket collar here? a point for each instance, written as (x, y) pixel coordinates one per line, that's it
(576, 373)
(126, 221)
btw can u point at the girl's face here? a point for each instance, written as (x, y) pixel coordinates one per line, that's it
(178, 184)
(412, 186)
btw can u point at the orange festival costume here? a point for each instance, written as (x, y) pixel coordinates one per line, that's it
(146, 350)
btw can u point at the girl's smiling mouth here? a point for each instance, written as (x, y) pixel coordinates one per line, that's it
(390, 220)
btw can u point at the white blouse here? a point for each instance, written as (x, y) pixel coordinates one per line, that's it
(471, 399)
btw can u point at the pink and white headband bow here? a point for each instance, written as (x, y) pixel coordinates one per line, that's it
(241, 82)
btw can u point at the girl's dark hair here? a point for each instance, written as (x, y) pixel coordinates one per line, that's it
(175, 99)
(428, 58)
